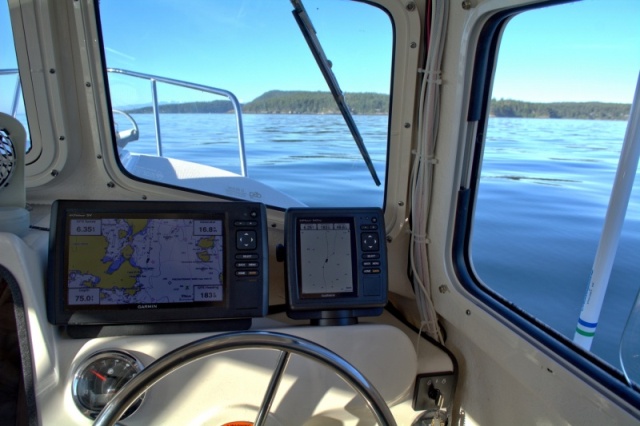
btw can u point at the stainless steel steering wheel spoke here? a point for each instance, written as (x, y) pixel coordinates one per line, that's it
(270, 394)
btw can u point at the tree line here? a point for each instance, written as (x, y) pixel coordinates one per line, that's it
(282, 102)
(306, 102)
(577, 110)
(301, 102)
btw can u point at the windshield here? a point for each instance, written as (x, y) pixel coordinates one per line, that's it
(226, 89)
(11, 101)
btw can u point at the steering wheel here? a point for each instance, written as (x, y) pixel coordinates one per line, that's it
(286, 344)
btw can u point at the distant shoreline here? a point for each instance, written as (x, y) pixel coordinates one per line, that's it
(559, 110)
(322, 103)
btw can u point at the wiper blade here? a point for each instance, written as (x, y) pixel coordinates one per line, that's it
(304, 22)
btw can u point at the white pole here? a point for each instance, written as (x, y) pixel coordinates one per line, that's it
(614, 220)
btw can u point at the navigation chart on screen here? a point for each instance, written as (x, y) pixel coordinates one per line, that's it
(145, 261)
(326, 258)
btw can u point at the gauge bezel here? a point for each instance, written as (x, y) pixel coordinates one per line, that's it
(81, 370)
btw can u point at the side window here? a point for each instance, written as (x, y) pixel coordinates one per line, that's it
(562, 91)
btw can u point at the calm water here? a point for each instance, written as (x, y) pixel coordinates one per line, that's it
(544, 191)
(312, 158)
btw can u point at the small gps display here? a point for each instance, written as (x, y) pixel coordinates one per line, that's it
(336, 264)
(114, 263)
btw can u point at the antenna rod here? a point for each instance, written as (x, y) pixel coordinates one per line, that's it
(616, 211)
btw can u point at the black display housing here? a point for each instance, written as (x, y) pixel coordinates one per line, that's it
(210, 269)
(336, 264)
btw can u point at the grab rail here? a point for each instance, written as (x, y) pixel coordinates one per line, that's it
(156, 113)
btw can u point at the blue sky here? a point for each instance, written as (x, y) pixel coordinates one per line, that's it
(587, 51)
(231, 44)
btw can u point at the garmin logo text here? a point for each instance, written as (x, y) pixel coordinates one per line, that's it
(147, 306)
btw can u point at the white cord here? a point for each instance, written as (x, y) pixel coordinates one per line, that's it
(422, 172)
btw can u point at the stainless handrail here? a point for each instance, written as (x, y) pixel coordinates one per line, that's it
(156, 113)
(208, 89)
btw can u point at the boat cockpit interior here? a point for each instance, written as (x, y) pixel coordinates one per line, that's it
(298, 212)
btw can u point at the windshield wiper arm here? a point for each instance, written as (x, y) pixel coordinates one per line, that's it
(304, 22)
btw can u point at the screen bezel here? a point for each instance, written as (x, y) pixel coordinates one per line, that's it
(302, 306)
(60, 312)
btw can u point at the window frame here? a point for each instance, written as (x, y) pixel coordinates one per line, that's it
(40, 91)
(547, 339)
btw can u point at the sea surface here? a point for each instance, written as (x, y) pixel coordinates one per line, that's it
(312, 158)
(543, 196)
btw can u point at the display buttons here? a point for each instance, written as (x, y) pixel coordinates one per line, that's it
(247, 256)
(247, 273)
(370, 241)
(246, 240)
(246, 268)
(245, 223)
(247, 264)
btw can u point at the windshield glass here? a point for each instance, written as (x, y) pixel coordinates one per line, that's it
(11, 101)
(286, 130)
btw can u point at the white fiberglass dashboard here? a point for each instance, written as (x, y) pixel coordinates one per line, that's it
(73, 372)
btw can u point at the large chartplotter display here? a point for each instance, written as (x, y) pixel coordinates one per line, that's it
(157, 266)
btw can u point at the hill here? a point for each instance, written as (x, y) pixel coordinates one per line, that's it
(305, 102)
(213, 107)
(282, 102)
(301, 102)
(576, 110)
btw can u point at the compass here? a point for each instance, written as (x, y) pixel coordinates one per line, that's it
(100, 377)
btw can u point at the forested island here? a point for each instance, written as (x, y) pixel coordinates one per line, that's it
(299, 102)
(577, 110)
(304, 102)
(283, 102)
